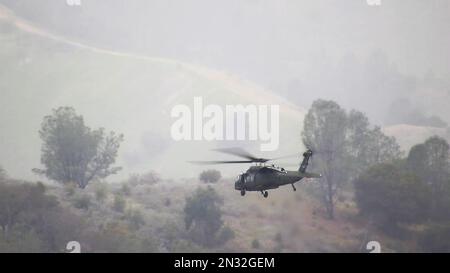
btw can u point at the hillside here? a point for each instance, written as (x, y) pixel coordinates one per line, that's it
(410, 135)
(119, 91)
(285, 222)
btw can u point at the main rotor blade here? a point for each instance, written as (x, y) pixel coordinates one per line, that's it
(243, 153)
(237, 152)
(220, 162)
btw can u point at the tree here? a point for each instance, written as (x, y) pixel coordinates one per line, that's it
(324, 132)
(344, 145)
(210, 176)
(390, 195)
(431, 162)
(367, 146)
(381, 148)
(203, 217)
(72, 152)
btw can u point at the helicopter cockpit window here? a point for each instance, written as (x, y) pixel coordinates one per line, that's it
(249, 177)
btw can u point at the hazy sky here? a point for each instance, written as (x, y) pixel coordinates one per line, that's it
(413, 33)
(295, 48)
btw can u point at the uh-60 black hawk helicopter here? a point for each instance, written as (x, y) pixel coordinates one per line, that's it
(262, 177)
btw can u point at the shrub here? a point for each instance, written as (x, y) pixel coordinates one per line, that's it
(101, 192)
(436, 238)
(203, 217)
(69, 189)
(225, 234)
(210, 176)
(135, 218)
(125, 190)
(82, 202)
(256, 244)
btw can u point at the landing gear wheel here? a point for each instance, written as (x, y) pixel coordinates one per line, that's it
(242, 192)
(265, 194)
(293, 187)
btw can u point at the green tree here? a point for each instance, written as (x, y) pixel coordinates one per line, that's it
(32, 221)
(73, 152)
(381, 148)
(367, 146)
(345, 144)
(20, 202)
(203, 217)
(389, 195)
(325, 133)
(431, 162)
(210, 176)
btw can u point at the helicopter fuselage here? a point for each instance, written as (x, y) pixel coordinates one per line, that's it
(261, 178)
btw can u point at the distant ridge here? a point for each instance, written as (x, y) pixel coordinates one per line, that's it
(410, 135)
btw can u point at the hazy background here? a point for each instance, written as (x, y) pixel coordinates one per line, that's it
(390, 61)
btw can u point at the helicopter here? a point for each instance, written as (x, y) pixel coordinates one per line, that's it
(262, 177)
